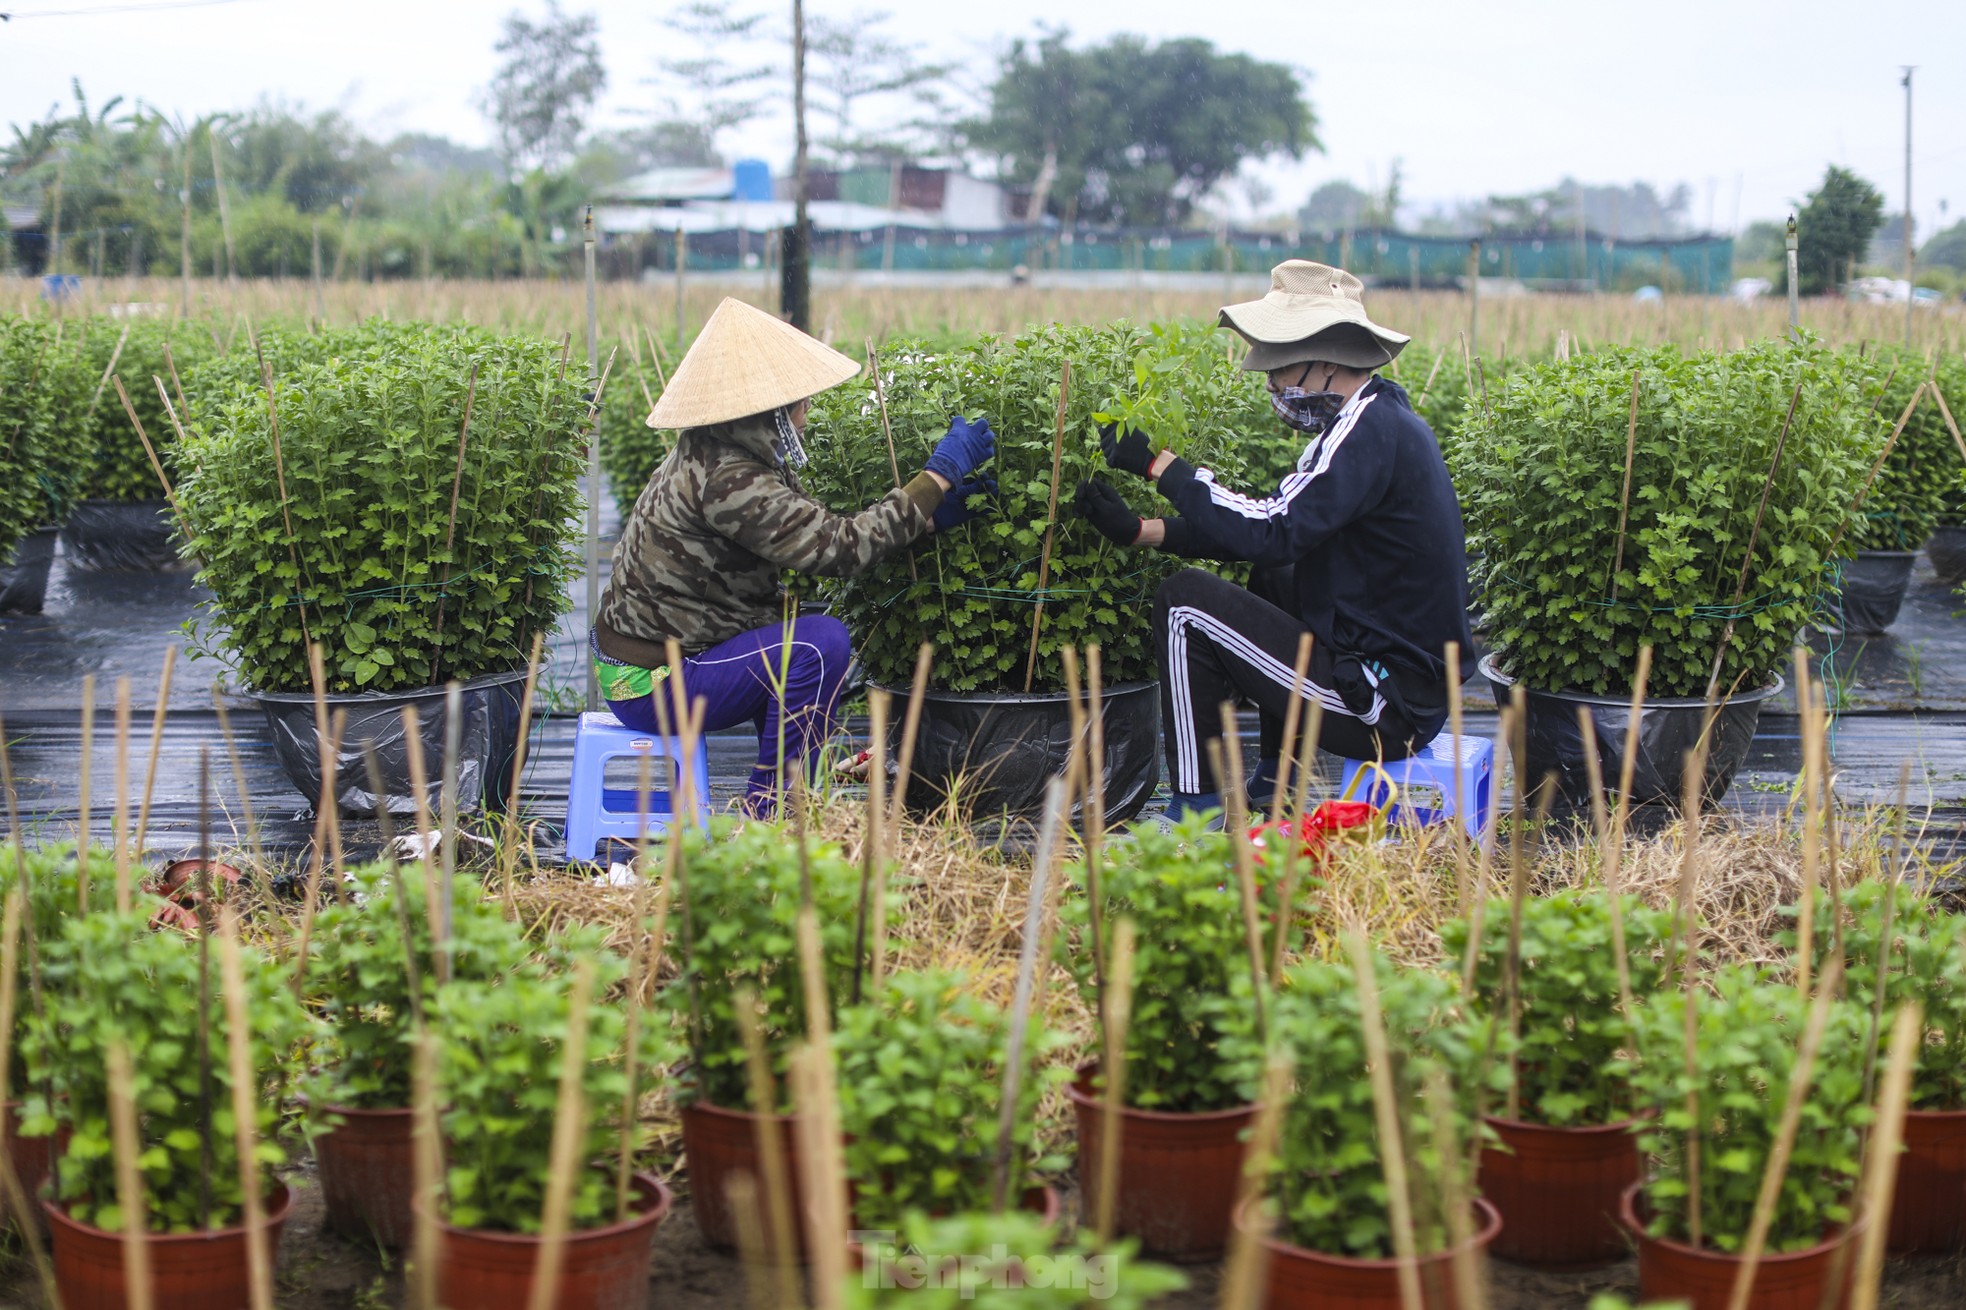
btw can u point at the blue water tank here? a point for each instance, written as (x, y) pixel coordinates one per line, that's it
(751, 180)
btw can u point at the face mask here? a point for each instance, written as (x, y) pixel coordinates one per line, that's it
(1307, 411)
(786, 445)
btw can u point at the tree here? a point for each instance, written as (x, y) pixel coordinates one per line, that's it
(1834, 228)
(1946, 249)
(546, 84)
(1335, 206)
(1133, 132)
(850, 60)
(712, 91)
(1761, 243)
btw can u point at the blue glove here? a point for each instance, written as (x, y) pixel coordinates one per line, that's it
(955, 510)
(966, 447)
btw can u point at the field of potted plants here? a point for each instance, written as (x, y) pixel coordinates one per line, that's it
(876, 1062)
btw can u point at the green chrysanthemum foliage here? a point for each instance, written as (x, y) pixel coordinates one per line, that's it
(43, 455)
(1904, 503)
(1926, 964)
(118, 468)
(1947, 373)
(109, 979)
(1575, 1043)
(1189, 1042)
(362, 555)
(973, 590)
(741, 930)
(630, 448)
(501, 1044)
(236, 374)
(921, 1080)
(1008, 1261)
(1328, 1182)
(1541, 485)
(358, 977)
(1747, 1031)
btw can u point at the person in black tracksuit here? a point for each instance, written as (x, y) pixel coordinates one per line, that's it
(1366, 534)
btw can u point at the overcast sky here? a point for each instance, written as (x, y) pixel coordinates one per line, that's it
(1745, 101)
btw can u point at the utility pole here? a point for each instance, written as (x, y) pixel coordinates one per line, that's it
(795, 286)
(1909, 248)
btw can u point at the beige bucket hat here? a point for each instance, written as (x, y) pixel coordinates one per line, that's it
(746, 362)
(1312, 312)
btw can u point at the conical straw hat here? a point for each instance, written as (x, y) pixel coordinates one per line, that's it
(746, 362)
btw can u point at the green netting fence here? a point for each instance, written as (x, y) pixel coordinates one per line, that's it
(1702, 264)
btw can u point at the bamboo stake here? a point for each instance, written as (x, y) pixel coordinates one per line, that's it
(820, 1170)
(1293, 855)
(156, 465)
(1478, 916)
(1686, 893)
(329, 812)
(1055, 800)
(204, 913)
(129, 1181)
(780, 1235)
(1244, 1275)
(1881, 1175)
(1594, 770)
(872, 864)
(280, 475)
(1224, 753)
(1095, 815)
(1118, 1015)
(238, 776)
(1800, 1074)
(1897, 430)
(108, 372)
(26, 1221)
(311, 899)
(741, 1197)
(1291, 715)
(427, 1164)
(245, 1110)
(1458, 830)
(632, 1004)
(450, 529)
(1470, 1286)
(508, 854)
(1385, 1108)
(420, 785)
(1887, 929)
(1068, 657)
(447, 823)
(156, 745)
(1625, 497)
(84, 802)
(1050, 524)
(1805, 916)
(1518, 897)
(1627, 768)
(1754, 537)
(569, 1135)
(911, 722)
(893, 462)
(120, 819)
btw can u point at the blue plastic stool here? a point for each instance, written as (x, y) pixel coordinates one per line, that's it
(1425, 784)
(596, 811)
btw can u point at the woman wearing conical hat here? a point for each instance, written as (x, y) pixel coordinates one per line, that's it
(700, 558)
(1365, 536)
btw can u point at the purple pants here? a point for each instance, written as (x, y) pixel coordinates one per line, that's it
(737, 681)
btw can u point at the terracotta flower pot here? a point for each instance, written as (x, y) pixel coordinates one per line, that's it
(718, 1144)
(1301, 1279)
(1557, 1190)
(1704, 1280)
(1177, 1173)
(32, 1157)
(188, 1271)
(600, 1268)
(367, 1168)
(1928, 1210)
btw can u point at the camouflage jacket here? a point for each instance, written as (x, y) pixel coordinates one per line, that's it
(699, 559)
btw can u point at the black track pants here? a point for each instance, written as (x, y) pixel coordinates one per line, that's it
(1219, 642)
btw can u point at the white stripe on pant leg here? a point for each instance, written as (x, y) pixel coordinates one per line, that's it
(1187, 763)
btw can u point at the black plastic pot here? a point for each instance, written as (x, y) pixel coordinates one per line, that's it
(1874, 586)
(24, 575)
(1667, 729)
(997, 751)
(1946, 548)
(123, 536)
(489, 735)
